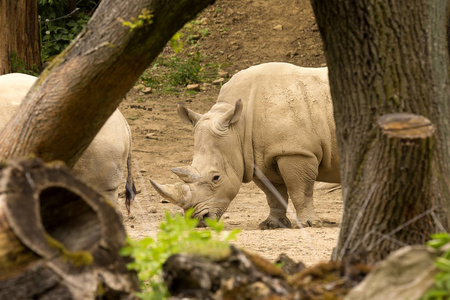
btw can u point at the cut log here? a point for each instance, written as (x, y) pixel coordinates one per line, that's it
(388, 216)
(59, 239)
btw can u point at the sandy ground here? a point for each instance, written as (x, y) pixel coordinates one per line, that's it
(161, 141)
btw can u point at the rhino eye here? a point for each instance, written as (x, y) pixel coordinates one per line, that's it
(216, 178)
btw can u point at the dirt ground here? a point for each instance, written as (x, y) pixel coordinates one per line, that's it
(241, 33)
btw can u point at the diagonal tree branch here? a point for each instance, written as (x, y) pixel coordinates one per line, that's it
(81, 88)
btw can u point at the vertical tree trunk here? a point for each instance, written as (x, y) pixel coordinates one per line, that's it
(386, 57)
(19, 36)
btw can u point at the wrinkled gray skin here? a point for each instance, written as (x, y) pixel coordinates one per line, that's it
(283, 126)
(103, 162)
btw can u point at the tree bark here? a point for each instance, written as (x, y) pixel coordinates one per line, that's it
(386, 57)
(19, 36)
(59, 239)
(398, 178)
(81, 88)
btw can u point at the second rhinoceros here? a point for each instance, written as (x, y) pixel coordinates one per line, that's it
(282, 129)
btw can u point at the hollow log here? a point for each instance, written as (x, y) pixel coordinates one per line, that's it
(59, 239)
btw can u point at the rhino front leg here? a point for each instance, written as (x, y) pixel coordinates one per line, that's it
(299, 174)
(277, 217)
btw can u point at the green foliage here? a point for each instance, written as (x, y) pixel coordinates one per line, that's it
(58, 29)
(19, 66)
(441, 288)
(178, 235)
(175, 42)
(168, 75)
(144, 19)
(184, 71)
(173, 72)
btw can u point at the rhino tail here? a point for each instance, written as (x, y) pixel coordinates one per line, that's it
(130, 188)
(130, 193)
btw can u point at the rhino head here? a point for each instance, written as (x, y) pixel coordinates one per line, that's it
(215, 176)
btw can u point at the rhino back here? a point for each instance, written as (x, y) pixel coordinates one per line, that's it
(107, 154)
(13, 88)
(287, 111)
(103, 162)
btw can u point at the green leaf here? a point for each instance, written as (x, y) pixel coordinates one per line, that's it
(175, 42)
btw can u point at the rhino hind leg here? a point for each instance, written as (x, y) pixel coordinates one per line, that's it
(299, 174)
(277, 217)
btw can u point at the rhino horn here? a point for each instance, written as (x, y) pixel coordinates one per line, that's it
(178, 194)
(187, 174)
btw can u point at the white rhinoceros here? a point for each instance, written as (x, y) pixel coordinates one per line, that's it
(103, 162)
(283, 127)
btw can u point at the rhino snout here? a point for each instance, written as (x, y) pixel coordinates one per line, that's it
(202, 218)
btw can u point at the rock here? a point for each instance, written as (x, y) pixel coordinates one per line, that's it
(151, 136)
(406, 274)
(142, 171)
(291, 53)
(278, 27)
(218, 81)
(193, 87)
(147, 90)
(195, 37)
(223, 74)
(164, 201)
(204, 21)
(205, 85)
(139, 87)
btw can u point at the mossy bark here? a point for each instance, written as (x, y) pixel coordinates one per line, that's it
(58, 237)
(83, 86)
(386, 57)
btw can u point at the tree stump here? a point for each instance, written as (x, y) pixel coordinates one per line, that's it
(59, 239)
(395, 204)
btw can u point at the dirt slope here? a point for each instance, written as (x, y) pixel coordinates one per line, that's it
(230, 35)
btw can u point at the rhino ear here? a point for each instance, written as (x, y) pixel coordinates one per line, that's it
(233, 115)
(187, 116)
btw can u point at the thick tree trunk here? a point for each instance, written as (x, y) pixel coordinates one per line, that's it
(19, 36)
(81, 88)
(400, 207)
(59, 239)
(387, 57)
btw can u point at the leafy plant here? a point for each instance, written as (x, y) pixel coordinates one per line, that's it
(58, 29)
(176, 43)
(174, 72)
(178, 235)
(184, 71)
(19, 66)
(441, 288)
